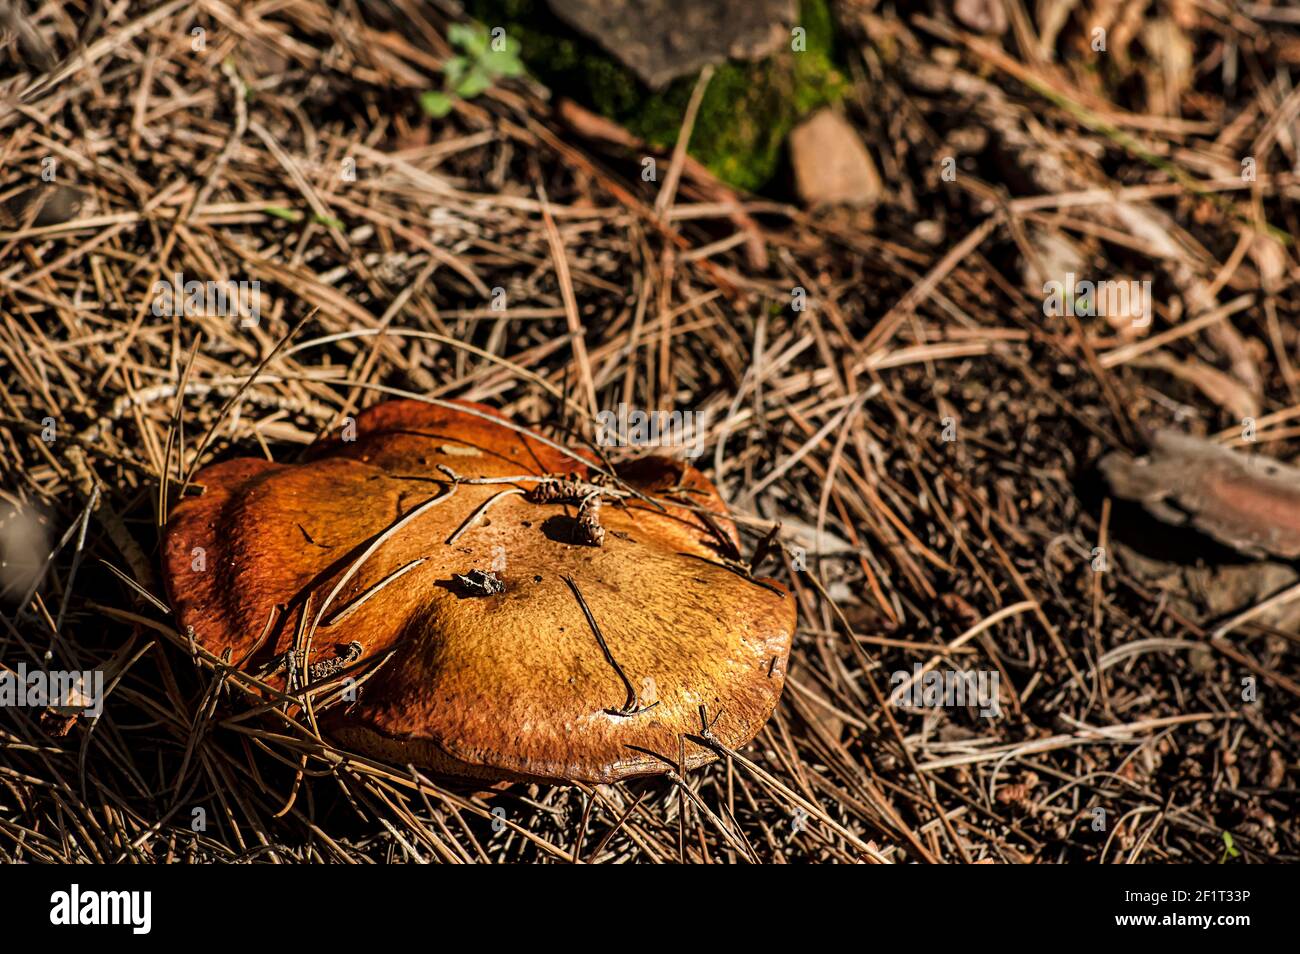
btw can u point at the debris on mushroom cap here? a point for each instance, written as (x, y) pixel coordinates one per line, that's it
(328, 668)
(587, 530)
(1249, 503)
(479, 583)
(555, 489)
(590, 662)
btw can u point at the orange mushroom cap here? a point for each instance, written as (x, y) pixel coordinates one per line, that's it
(590, 657)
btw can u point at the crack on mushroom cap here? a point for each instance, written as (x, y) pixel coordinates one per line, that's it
(508, 687)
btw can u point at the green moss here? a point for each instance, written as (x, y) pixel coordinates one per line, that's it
(745, 116)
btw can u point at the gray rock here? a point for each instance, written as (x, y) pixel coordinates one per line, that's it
(55, 203)
(660, 40)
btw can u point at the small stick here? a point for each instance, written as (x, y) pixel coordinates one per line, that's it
(629, 707)
(346, 611)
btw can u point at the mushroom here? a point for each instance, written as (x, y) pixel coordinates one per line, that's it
(491, 638)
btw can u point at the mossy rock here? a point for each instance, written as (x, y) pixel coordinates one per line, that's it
(747, 111)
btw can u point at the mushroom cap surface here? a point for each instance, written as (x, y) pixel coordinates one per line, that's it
(491, 685)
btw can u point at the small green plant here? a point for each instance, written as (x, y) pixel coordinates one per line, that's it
(485, 58)
(1229, 848)
(292, 215)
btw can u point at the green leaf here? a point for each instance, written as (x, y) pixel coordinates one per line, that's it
(280, 212)
(328, 221)
(505, 63)
(435, 103)
(474, 83)
(1229, 846)
(503, 55)
(472, 39)
(454, 70)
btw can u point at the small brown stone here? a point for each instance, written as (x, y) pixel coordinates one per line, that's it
(831, 165)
